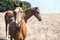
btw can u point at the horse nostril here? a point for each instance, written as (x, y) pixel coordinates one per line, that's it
(40, 19)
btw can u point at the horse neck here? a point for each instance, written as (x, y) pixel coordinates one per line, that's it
(27, 16)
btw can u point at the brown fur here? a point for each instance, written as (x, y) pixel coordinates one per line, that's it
(32, 11)
(18, 32)
(28, 13)
(8, 18)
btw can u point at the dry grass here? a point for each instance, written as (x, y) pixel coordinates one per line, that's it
(47, 29)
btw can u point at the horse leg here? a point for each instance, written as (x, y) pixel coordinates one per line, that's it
(11, 38)
(6, 29)
(6, 24)
(23, 38)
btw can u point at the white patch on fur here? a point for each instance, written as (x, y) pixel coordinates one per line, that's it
(16, 10)
(17, 22)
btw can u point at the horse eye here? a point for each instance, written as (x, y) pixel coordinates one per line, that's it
(14, 13)
(38, 12)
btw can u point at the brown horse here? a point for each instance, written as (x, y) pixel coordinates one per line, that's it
(10, 15)
(32, 11)
(17, 27)
(8, 18)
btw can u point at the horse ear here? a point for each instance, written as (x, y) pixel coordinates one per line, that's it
(21, 4)
(15, 4)
(36, 7)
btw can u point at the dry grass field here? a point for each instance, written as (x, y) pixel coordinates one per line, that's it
(47, 29)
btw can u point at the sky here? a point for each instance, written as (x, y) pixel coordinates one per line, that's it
(46, 6)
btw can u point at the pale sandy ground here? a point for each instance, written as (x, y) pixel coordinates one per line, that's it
(47, 29)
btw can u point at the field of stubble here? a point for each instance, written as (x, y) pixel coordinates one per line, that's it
(47, 29)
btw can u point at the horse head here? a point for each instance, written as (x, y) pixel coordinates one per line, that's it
(18, 14)
(36, 13)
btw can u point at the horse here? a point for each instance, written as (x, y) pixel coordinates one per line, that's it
(32, 11)
(9, 16)
(17, 27)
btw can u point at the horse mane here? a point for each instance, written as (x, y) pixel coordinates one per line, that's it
(34, 8)
(31, 9)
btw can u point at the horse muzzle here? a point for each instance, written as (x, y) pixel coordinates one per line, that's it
(39, 18)
(18, 23)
